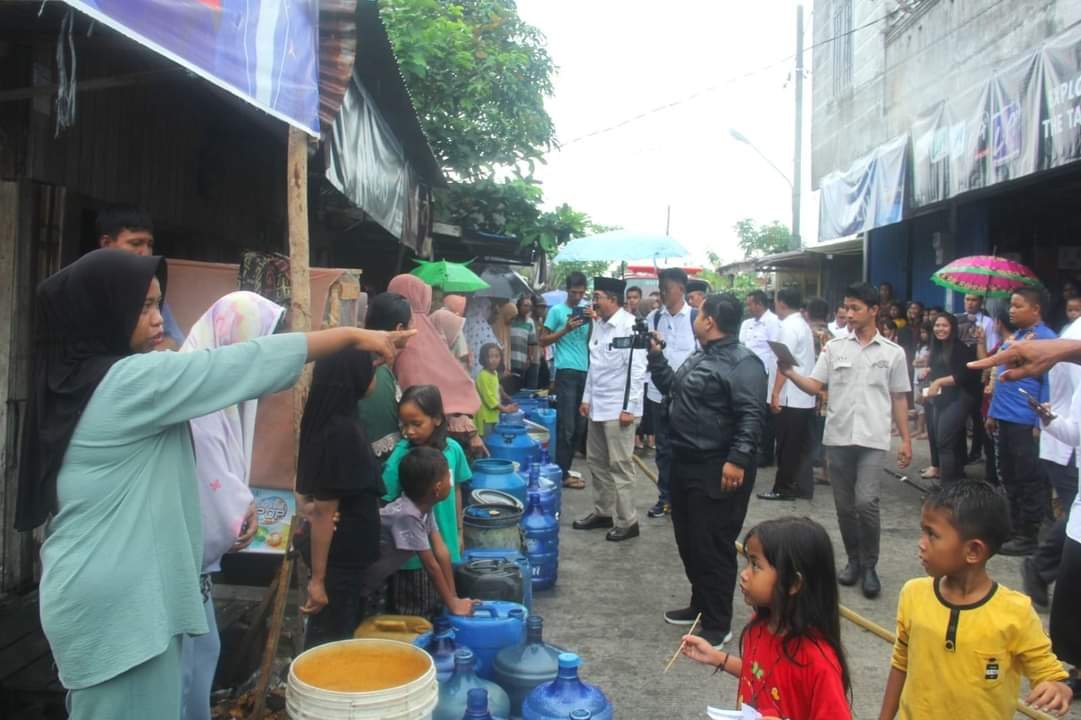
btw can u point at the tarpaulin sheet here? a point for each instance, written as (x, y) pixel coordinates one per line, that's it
(263, 51)
(192, 289)
(1022, 119)
(868, 195)
(366, 164)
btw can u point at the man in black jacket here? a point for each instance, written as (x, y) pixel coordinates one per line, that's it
(716, 411)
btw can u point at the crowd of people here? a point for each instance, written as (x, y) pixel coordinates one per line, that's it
(134, 447)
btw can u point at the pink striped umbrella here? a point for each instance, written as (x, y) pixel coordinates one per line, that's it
(986, 275)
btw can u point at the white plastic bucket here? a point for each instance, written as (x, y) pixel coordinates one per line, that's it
(412, 699)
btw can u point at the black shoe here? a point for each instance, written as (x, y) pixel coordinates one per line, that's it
(621, 534)
(659, 510)
(716, 638)
(821, 481)
(1019, 546)
(775, 496)
(973, 459)
(850, 575)
(683, 616)
(872, 586)
(1034, 585)
(593, 521)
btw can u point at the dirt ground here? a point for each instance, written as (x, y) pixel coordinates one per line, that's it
(608, 602)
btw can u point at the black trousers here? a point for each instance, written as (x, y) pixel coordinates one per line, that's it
(344, 610)
(707, 523)
(1048, 556)
(769, 442)
(1065, 620)
(947, 434)
(1026, 485)
(795, 451)
(980, 441)
(570, 425)
(929, 414)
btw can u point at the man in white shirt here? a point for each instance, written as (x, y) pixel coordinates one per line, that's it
(792, 408)
(839, 326)
(674, 322)
(1059, 461)
(612, 401)
(755, 333)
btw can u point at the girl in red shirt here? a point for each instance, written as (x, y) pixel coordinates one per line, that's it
(792, 665)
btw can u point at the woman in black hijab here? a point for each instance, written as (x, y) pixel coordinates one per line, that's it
(107, 460)
(338, 470)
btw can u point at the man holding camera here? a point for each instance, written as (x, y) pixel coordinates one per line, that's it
(612, 401)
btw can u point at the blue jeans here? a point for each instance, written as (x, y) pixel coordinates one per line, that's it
(570, 425)
(664, 448)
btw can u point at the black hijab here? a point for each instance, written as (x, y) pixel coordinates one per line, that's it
(335, 457)
(85, 316)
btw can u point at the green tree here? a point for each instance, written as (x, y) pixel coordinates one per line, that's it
(479, 75)
(759, 240)
(590, 269)
(742, 283)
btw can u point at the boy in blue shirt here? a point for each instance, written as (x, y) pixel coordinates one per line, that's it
(1012, 420)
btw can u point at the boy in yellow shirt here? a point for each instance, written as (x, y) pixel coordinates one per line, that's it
(963, 640)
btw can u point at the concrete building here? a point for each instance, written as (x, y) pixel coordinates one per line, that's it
(944, 128)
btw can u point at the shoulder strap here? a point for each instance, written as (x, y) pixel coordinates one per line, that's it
(656, 318)
(694, 316)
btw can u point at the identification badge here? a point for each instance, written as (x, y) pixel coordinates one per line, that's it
(991, 671)
(622, 343)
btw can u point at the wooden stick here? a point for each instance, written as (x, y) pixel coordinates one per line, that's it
(645, 470)
(682, 644)
(271, 648)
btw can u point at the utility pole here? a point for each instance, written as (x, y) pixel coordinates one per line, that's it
(797, 174)
(668, 221)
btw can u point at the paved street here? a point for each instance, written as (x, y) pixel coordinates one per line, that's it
(610, 596)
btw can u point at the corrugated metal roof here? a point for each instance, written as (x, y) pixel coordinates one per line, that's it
(337, 53)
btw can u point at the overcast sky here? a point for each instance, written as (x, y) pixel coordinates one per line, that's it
(619, 59)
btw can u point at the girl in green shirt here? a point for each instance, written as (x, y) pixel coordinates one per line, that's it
(492, 398)
(424, 425)
(107, 460)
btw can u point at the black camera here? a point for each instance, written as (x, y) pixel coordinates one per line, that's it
(642, 336)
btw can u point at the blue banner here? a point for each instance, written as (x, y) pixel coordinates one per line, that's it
(264, 51)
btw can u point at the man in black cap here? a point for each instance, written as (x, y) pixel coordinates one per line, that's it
(696, 293)
(612, 401)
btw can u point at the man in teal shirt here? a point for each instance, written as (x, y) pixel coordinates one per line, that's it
(567, 327)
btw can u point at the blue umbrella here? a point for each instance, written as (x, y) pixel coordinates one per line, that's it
(620, 245)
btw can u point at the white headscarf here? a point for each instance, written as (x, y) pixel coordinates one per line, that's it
(478, 331)
(223, 440)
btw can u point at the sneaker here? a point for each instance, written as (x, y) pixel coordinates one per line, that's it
(717, 638)
(659, 510)
(683, 616)
(1018, 546)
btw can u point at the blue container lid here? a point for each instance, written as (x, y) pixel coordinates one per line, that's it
(493, 465)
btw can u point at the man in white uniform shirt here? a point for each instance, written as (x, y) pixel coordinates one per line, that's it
(793, 409)
(674, 322)
(1059, 460)
(755, 333)
(613, 402)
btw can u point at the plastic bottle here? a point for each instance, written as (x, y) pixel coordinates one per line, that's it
(566, 694)
(520, 668)
(548, 496)
(541, 534)
(454, 693)
(476, 706)
(441, 645)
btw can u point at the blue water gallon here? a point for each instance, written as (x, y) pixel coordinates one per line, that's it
(493, 626)
(567, 694)
(512, 442)
(541, 534)
(520, 668)
(454, 693)
(545, 416)
(513, 555)
(552, 472)
(549, 497)
(513, 418)
(497, 473)
(476, 706)
(441, 644)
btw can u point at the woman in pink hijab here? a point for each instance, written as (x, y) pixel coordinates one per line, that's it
(427, 359)
(455, 303)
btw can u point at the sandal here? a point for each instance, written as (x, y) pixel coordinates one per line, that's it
(927, 474)
(574, 483)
